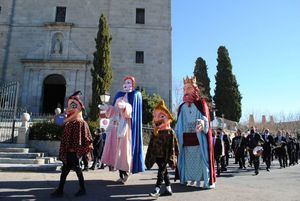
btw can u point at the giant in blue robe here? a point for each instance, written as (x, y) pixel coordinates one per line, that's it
(193, 161)
(135, 99)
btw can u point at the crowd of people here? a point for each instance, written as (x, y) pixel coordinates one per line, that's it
(193, 149)
(251, 145)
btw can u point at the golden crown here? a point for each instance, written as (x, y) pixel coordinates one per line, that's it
(191, 80)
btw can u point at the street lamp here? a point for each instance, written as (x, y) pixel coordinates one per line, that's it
(104, 98)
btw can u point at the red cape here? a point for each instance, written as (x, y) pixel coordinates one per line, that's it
(203, 108)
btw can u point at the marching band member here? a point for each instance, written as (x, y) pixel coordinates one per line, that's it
(254, 140)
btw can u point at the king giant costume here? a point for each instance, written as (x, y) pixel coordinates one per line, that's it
(124, 145)
(196, 158)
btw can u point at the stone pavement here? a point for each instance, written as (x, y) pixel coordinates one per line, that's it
(235, 184)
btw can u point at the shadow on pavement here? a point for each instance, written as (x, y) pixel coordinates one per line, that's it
(96, 190)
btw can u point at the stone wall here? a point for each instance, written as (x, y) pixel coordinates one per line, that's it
(49, 147)
(33, 30)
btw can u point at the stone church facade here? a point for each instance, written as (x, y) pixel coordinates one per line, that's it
(48, 47)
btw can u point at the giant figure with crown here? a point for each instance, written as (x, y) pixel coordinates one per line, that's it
(123, 148)
(196, 158)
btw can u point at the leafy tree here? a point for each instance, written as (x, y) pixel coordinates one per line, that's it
(203, 81)
(149, 103)
(227, 97)
(102, 70)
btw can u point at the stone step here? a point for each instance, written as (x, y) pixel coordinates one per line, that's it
(22, 161)
(30, 167)
(13, 145)
(20, 155)
(16, 150)
(50, 159)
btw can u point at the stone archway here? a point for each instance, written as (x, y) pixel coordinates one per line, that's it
(54, 92)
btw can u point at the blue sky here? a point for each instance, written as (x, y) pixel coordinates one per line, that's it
(263, 40)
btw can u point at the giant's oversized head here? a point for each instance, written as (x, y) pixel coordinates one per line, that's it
(162, 117)
(75, 107)
(190, 90)
(128, 84)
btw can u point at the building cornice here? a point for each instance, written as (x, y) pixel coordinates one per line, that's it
(47, 61)
(67, 25)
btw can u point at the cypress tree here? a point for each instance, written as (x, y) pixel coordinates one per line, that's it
(203, 81)
(102, 70)
(227, 97)
(149, 102)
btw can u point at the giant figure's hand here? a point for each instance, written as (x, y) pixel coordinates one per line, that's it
(121, 104)
(103, 107)
(199, 125)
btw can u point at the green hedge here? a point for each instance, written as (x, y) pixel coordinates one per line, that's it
(50, 131)
(45, 131)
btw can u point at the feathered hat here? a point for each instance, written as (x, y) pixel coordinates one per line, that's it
(161, 106)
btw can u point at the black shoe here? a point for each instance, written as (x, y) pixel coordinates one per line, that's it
(223, 169)
(92, 168)
(268, 169)
(256, 172)
(167, 193)
(85, 170)
(80, 192)
(57, 193)
(154, 194)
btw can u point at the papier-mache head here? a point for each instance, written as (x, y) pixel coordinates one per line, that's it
(128, 84)
(162, 117)
(190, 90)
(75, 106)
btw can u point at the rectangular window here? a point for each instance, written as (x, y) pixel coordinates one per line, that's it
(60, 14)
(139, 57)
(140, 16)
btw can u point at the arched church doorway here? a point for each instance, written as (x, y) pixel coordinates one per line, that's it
(54, 91)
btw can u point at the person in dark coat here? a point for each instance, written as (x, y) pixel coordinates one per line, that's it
(98, 145)
(239, 148)
(219, 151)
(280, 149)
(297, 150)
(227, 142)
(269, 143)
(290, 148)
(253, 140)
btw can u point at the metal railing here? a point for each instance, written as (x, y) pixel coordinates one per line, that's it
(8, 110)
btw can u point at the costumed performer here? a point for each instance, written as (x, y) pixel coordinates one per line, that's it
(76, 142)
(124, 144)
(162, 149)
(196, 159)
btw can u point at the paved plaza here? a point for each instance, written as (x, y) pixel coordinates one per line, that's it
(235, 184)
